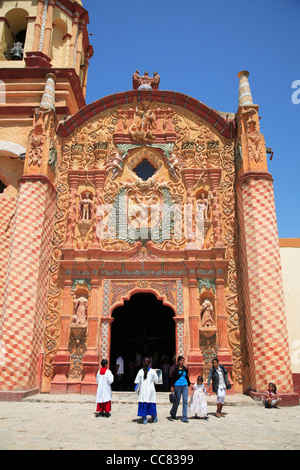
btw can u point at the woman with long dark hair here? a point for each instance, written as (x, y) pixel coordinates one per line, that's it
(180, 383)
(145, 380)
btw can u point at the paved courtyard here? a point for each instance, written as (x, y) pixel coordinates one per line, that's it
(67, 422)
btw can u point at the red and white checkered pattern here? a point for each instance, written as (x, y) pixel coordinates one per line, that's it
(25, 290)
(263, 288)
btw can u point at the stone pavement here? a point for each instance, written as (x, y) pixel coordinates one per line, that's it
(54, 422)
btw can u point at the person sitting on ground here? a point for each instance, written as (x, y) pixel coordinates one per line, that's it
(271, 398)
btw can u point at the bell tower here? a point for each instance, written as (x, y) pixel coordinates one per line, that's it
(39, 36)
(44, 59)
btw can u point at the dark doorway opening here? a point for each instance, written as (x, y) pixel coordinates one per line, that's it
(2, 187)
(146, 326)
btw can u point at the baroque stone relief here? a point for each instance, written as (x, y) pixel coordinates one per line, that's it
(104, 166)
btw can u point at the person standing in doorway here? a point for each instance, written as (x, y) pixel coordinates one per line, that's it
(219, 376)
(119, 371)
(180, 383)
(138, 361)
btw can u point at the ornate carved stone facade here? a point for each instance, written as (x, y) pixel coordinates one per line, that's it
(149, 193)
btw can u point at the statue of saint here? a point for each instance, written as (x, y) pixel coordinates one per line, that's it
(202, 206)
(86, 207)
(206, 313)
(80, 310)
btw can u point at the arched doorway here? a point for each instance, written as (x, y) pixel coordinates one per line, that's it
(143, 325)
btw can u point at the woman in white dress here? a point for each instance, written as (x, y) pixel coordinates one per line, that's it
(103, 398)
(198, 403)
(145, 380)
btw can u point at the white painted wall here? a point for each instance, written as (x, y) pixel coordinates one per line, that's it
(290, 259)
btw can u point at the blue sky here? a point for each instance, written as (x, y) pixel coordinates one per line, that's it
(198, 48)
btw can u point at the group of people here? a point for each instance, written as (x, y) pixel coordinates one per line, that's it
(146, 379)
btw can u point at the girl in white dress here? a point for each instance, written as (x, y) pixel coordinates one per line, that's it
(198, 403)
(145, 380)
(103, 398)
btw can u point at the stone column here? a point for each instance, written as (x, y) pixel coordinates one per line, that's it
(24, 306)
(223, 351)
(214, 176)
(72, 46)
(195, 358)
(194, 316)
(38, 25)
(61, 363)
(266, 328)
(79, 46)
(190, 222)
(48, 28)
(245, 96)
(88, 56)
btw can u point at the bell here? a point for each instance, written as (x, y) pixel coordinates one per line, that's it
(17, 51)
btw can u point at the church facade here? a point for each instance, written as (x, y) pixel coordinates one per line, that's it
(144, 197)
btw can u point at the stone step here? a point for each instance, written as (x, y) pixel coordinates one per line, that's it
(132, 398)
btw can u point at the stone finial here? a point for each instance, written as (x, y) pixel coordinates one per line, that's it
(48, 99)
(245, 96)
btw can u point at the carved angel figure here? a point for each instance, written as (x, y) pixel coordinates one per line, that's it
(116, 164)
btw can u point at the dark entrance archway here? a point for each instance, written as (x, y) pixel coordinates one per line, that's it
(144, 325)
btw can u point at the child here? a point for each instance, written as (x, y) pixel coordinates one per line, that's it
(103, 399)
(271, 398)
(198, 403)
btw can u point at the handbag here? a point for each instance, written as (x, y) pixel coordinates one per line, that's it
(172, 397)
(228, 386)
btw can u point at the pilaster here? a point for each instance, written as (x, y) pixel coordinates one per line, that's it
(260, 257)
(26, 283)
(26, 286)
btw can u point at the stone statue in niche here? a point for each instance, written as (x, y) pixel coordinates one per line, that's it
(86, 207)
(206, 313)
(80, 310)
(202, 206)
